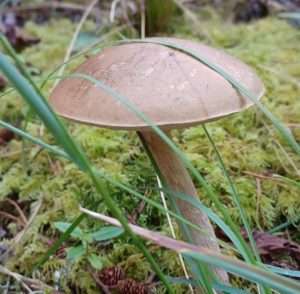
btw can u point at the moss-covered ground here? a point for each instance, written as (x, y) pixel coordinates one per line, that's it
(250, 146)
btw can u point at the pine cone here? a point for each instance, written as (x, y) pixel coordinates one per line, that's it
(110, 276)
(130, 286)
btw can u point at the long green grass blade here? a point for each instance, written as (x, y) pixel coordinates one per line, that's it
(242, 213)
(25, 135)
(58, 152)
(214, 217)
(235, 195)
(284, 271)
(199, 271)
(168, 141)
(217, 286)
(284, 131)
(253, 273)
(284, 225)
(19, 64)
(55, 126)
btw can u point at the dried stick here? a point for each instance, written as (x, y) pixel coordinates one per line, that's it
(74, 38)
(24, 281)
(20, 235)
(12, 217)
(20, 211)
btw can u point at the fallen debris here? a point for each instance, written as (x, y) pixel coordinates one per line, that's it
(9, 26)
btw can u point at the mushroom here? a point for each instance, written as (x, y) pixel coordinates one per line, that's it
(173, 90)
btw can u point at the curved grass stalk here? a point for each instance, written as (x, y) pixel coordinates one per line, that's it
(285, 132)
(210, 192)
(75, 37)
(33, 97)
(198, 176)
(58, 152)
(242, 269)
(173, 234)
(234, 195)
(90, 47)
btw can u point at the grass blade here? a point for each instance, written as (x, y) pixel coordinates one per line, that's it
(285, 132)
(284, 271)
(55, 126)
(58, 152)
(234, 195)
(290, 15)
(50, 148)
(217, 286)
(250, 272)
(180, 154)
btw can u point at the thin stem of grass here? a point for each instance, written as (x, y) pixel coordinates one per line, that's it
(234, 194)
(173, 234)
(41, 107)
(59, 152)
(75, 37)
(285, 132)
(208, 188)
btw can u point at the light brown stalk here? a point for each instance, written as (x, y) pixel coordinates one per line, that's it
(177, 178)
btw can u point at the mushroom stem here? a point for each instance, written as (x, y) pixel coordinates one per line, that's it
(177, 178)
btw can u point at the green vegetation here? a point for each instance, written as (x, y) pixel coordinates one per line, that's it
(251, 148)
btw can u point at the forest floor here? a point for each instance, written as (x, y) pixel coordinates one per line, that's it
(38, 189)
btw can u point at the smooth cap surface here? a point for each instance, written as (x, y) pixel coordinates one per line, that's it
(170, 87)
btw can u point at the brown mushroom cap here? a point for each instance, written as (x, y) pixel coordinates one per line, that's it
(170, 87)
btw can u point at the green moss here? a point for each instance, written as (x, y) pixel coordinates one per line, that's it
(243, 140)
(246, 145)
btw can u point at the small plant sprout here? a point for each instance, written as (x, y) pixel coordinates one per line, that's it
(164, 87)
(81, 250)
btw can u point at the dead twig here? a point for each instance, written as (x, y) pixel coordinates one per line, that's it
(271, 177)
(293, 125)
(19, 210)
(134, 215)
(85, 15)
(12, 217)
(113, 8)
(17, 239)
(26, 283)
(258, 202)
(48, 5)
